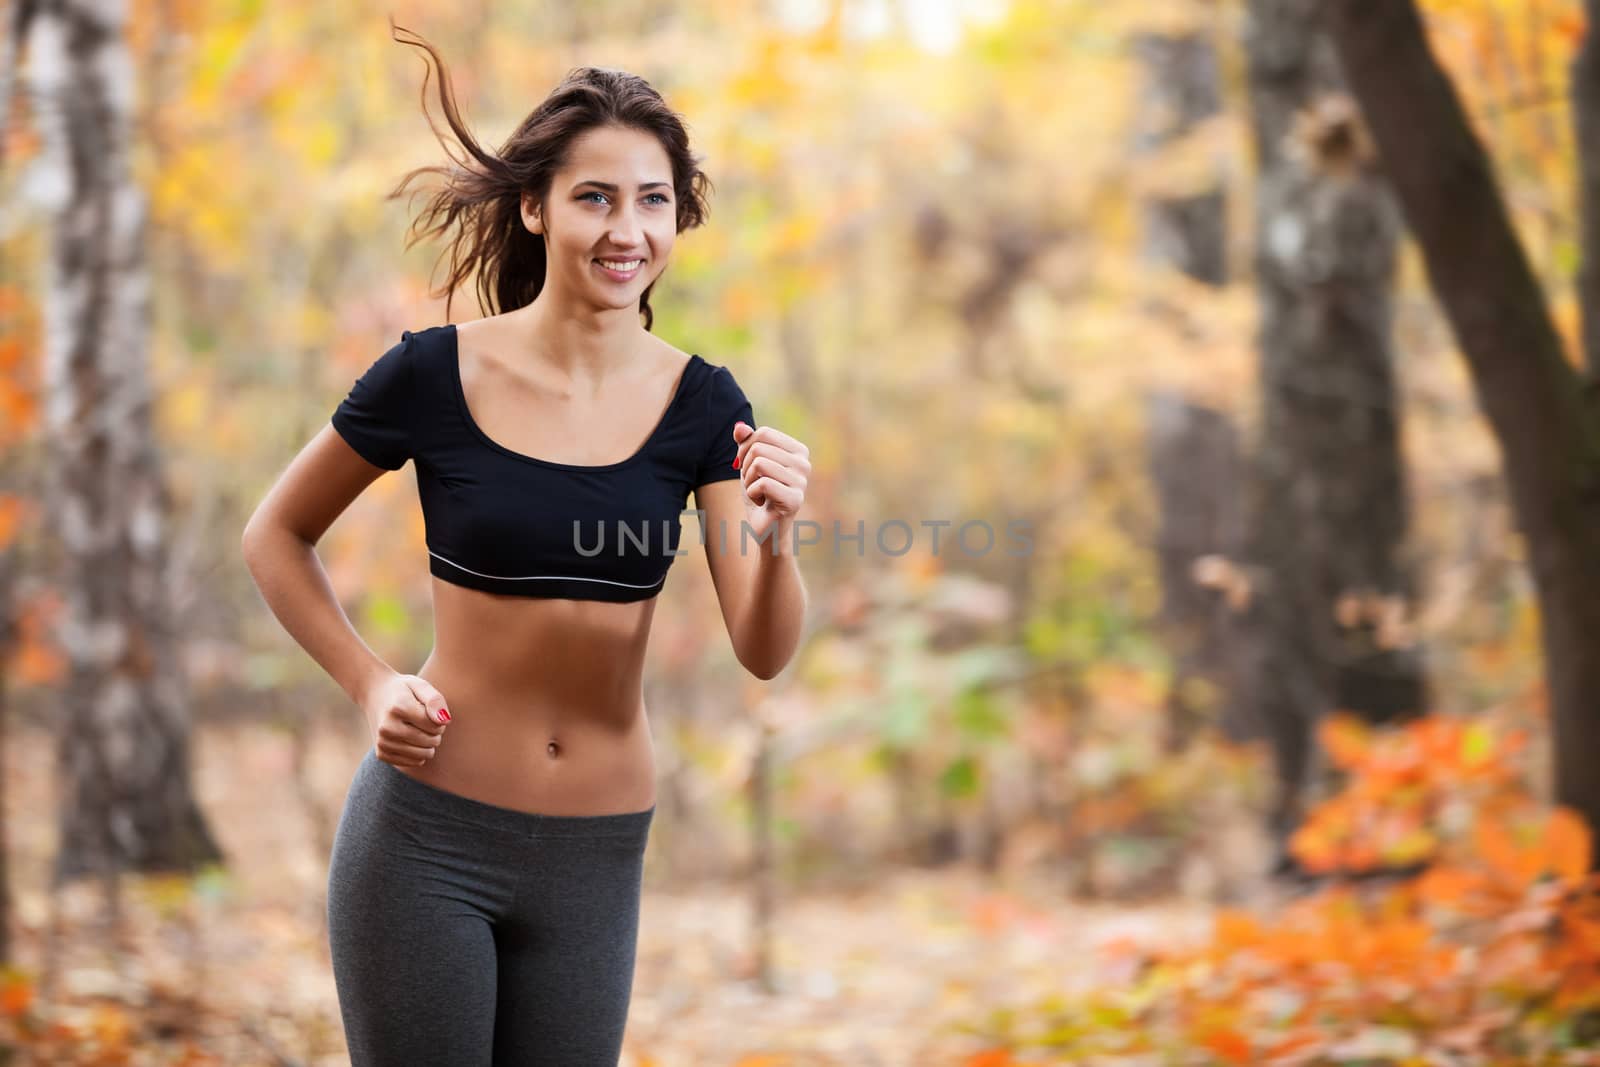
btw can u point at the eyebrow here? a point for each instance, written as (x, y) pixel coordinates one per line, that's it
(608, 187)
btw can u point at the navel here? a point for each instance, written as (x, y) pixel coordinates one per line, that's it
(553, 749)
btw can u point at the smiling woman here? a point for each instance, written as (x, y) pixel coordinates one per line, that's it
(510, 261)
(488, 861)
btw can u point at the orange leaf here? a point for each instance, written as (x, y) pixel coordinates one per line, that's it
(1229, 1045)
(1234, 929)
(994, 1057)
(1570, 25)
(1583, 936)
(1347, 738)
(1447, 885)
(1568, 844)
(1503, 855)
(16, 997)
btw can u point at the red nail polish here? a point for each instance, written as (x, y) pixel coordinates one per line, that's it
(735, 464)
(444, 713)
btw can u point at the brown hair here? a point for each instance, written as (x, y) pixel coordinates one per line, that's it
(484, 193)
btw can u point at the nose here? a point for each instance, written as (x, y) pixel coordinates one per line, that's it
(625, 230)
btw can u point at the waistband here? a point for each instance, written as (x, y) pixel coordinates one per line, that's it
(432, 799)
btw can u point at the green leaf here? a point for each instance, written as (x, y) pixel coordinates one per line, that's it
(960, 779)
(979, 715)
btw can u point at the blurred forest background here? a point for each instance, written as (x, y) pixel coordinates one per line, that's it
(1269, 316)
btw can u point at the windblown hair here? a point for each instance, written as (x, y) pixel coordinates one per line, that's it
(481, 197)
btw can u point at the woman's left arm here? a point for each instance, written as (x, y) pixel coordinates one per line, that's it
(750, 546)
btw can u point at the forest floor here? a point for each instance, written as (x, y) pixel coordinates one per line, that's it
(875, 976)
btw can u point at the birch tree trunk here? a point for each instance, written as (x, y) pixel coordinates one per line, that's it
(123, 771)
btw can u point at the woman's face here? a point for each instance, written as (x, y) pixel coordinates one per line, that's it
(613, 201)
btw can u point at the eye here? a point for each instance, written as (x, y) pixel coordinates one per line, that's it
(584, 196)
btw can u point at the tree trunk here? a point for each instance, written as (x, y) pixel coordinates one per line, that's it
(123, 752)
(1195, 468)
(1329, 517)
(1586, 133)
(1543, 415)
(1194, 461)
(1179, 91)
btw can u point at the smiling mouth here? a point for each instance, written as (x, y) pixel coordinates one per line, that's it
(620, 270)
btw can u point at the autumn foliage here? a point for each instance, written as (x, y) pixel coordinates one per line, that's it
(1490, 955)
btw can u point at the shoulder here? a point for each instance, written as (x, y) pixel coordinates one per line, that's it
(722, 384)
(704, 384)
(673, 360)
(723, 400)
(425, 349)
(424, 338)
(701, 374)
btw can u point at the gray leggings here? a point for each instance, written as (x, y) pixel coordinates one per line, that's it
(470, 935)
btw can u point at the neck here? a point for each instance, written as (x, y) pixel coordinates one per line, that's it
(581, 340)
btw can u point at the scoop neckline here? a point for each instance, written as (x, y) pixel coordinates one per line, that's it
(478, 431)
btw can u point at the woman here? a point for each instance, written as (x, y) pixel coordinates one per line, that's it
(483, 891)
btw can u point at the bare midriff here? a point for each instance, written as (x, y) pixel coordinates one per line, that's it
(546, 702)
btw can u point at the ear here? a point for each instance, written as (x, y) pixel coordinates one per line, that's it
(531, 215)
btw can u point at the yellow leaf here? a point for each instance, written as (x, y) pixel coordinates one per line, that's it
(1477, 745)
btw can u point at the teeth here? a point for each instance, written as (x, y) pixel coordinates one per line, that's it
(623, 266)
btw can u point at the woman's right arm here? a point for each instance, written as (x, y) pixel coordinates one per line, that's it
(279, 549)
(367, 434)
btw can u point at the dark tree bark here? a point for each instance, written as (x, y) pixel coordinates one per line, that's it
(1194, 460)
(1196, 469)
(1328, 512)
(1586, 130)
(1541, 411)
(123, 749)
(1179, 90)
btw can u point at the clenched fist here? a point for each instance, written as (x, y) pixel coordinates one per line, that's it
(407, 717)
(775, 470)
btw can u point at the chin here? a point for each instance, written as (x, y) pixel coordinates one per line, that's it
(614, 302)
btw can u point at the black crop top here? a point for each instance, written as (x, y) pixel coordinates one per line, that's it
(503, 522)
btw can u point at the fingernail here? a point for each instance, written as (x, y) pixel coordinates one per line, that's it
(735, 464)
(444, 713)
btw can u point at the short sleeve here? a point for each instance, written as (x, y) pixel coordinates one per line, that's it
(375, 418)
(728, 406)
